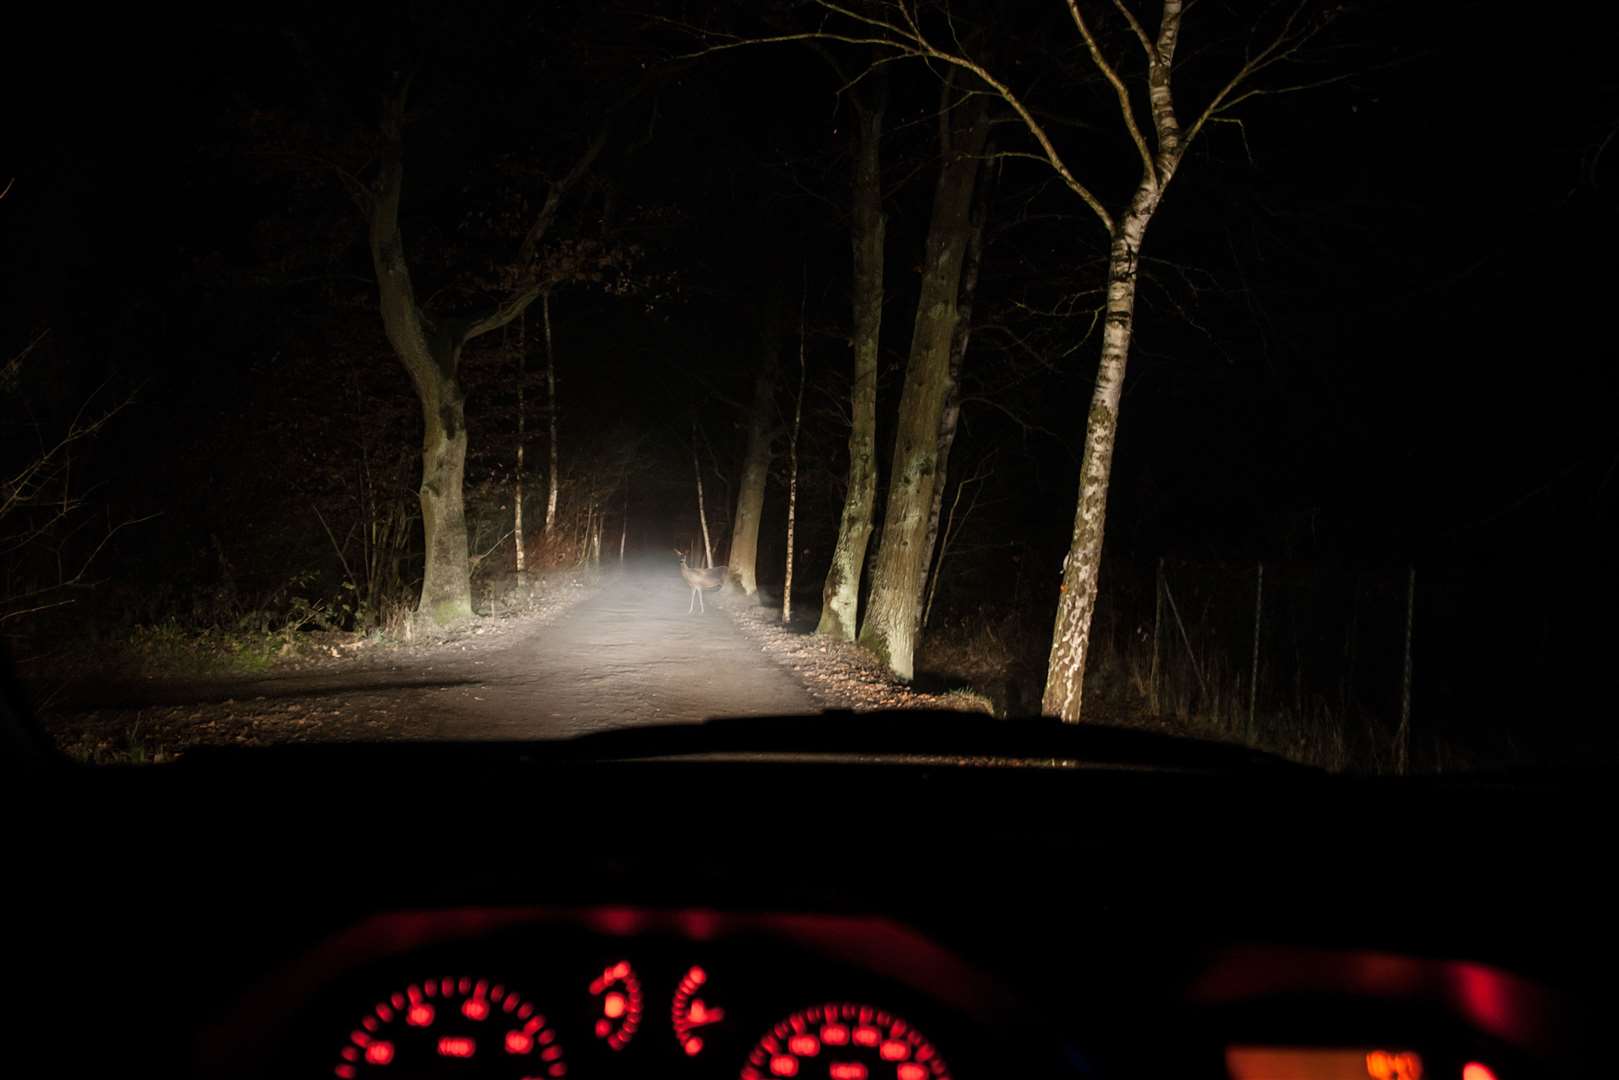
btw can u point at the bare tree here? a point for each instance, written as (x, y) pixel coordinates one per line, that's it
(743, 559)
(429, 347)
(522, 422)
(908, 29)
(840, 597)
(47, 547)
(702, 504)
(553, 414)
(792, 462)
(894, 613)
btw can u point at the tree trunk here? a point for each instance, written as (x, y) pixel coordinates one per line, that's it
(792, 466)
(750, 498)
(894, 613)
(517, 487)
(1071, 636)
(551, 403)
(951, 415)
(446, 578)
(430, 359)
(840, 596)
(702, 505)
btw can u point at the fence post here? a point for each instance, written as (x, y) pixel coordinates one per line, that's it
(1402, 739)
(1253, 676)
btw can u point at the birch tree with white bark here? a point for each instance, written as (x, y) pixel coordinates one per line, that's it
(1133, 47)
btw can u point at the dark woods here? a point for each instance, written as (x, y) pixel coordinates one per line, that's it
(286, 293)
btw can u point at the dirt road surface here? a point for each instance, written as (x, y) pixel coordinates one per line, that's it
(626, 654)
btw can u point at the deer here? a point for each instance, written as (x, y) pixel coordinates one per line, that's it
(706, 579)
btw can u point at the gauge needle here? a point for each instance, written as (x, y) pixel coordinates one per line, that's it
(700, 1014)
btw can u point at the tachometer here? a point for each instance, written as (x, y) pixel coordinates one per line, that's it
(465, 1025)
(844, 1042)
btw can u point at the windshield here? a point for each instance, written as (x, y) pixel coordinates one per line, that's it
(520, 371)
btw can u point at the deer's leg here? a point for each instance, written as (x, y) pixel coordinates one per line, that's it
(692, 602)
(702, 608)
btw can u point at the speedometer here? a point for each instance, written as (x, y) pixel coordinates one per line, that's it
(471, 1027)
(844, 1042)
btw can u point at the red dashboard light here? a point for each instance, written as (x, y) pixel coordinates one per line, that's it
(862, 1042)
(387, 1034)
(456, 1046)
(621, 1008)
(688, 1013)
(1475, 1070)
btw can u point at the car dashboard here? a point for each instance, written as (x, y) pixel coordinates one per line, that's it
(487, 912)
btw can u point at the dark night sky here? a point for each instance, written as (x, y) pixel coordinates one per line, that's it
(1397, 328)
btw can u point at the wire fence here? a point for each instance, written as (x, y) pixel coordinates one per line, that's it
(1387, 667)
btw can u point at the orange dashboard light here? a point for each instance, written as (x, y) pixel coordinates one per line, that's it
(475, 1008)
(1321, 1063)
(1474, 1070)
(613, 1006)
(1393, 1065)
(694, 1046)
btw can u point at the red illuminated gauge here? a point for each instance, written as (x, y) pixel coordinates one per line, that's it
(463, 1025)
(691, 1013)
(619, 993)
(844, 1042)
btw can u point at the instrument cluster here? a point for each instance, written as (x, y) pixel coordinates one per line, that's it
(531, 996)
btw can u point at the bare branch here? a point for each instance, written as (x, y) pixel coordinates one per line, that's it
(1112, 76)
(1137, 29)
(911, 44)
(1286, 42)
(557, 191)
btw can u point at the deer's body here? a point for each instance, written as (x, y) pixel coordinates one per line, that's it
(701, 581)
